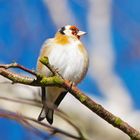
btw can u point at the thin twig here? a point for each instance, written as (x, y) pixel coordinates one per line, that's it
(65, 117)
(21, 101)
(16, 65)
(54, 128)
(20, 118)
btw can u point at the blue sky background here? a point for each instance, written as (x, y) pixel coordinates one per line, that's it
(126, 36)
(25, 24)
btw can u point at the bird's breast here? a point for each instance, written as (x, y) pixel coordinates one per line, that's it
(69, 60)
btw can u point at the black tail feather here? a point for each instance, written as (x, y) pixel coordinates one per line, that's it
(42, 115)
(49, 116)
(46, 111)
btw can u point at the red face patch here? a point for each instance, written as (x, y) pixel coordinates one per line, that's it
(75, 30)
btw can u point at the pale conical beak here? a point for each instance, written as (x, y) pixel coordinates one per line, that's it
(80, 33)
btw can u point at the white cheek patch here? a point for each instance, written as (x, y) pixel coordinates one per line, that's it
(68, 32)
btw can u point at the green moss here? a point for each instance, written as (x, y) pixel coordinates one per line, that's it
(44, 60)
(118, 121)
(58, 80)
(96, 107)
(82, 98)
(55, 80)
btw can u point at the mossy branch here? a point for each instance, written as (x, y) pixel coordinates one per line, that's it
(57, 80)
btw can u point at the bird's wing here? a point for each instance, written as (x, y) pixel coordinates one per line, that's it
(45, 50)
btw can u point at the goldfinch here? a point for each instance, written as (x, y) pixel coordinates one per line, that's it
(67, 54)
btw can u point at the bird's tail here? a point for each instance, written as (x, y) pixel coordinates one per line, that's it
(46, 113)
(48, 107)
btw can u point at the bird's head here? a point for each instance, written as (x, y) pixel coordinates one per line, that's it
(71, 31)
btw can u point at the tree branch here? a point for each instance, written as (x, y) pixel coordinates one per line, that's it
(58, 81)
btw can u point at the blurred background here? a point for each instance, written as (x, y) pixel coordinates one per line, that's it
(112, 41)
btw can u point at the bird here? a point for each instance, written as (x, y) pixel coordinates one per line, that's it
(68, 55)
